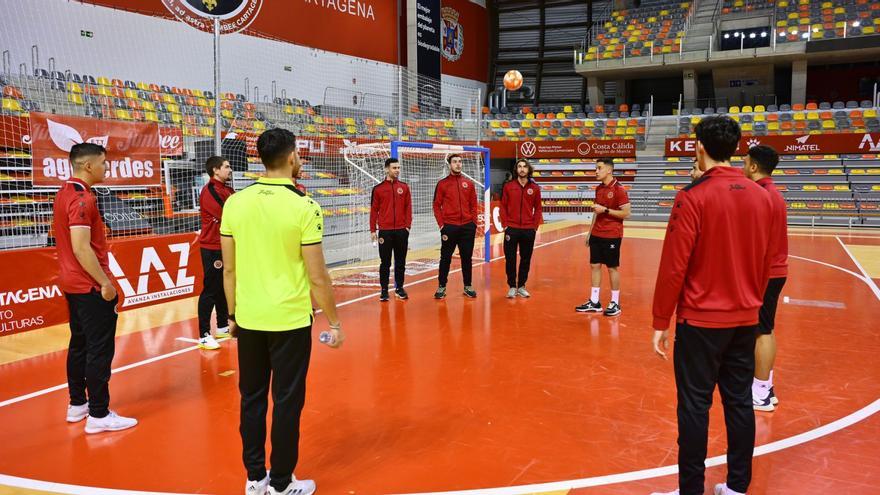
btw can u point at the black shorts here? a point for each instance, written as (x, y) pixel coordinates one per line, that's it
(605, 251)
(767, 314)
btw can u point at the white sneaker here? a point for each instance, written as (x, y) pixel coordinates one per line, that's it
(673, 492)
(222, 333)
(110, 422)
(75, 414)
(721, 489)
(257, 487)
(511, 293)
(208, 343)
(296, 487)
(522, 292)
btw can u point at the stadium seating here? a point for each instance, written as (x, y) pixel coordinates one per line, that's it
(567, 122)
(797, 20)
(656, 26)
(843, 117)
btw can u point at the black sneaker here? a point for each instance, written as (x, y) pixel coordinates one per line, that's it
(441, 292)
(401, 294)
(383, 296)
(469, 292)
(613, 309)
(589, 307)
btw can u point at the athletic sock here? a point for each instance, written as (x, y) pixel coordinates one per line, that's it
(760, 388)
(594, 295)
(615, 296)
(770, 380)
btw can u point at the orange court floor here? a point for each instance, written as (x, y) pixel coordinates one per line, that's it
(490, 395)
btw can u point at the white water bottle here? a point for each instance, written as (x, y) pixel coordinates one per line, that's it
(326, 337)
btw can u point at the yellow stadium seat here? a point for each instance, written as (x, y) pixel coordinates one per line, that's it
(143, 86)
(526, 124)
(760, 108)
(695, 120)
(543, 133)
(288, 109)
(75, 98)
(151, 116)
(733, 110)
(799, 116)
(632, 131)
(168, 99)
(103, 81)
(130, 93)
(106, 91)
(567, 109)
(122, 114)
(868, 30)
(773, 126)
(259, 125)
(198, 93)
(173, 108)
(870, 113)
(561, 116)
(74, 87)
(828, 124)
(448, 124)
(841, 187)
(350, 121)
(380, 121)
(149, 107)
(495, 124)
(747, 127)
(747, 109)
(812, 115)
(589, 123)
(760, 117)
(576, 132)
(176, 118)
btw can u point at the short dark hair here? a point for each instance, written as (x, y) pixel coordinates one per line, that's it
(214, 163)
(607, 161)
(765, 157)
(450, 157)
(275, 145)
(85, 150)
(389, 161)
(719, 136)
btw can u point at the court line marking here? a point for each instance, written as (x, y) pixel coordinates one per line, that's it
(867, 278)
(778, 445)
(829, 265)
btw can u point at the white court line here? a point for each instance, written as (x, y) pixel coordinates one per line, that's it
(867, 278)
(854, 274)
(514, 490)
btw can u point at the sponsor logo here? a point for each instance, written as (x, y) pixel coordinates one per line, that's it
(801, 147)
(464, 185)
(357, 8)
(452, 34)
(686, 145)
(22, 296)
(583, 149)
(218, 264)
(234, 15)
(803, 139)
(399, 190)
(737, 187)
(152, 265)
(869, 144)
(752, 143)
(528, 149)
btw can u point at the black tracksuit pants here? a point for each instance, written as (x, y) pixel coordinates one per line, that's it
(704, 357)
(282, 359)
(91, 350)
(212, 295)
(392, 242)
(463, 237)
(524, 241)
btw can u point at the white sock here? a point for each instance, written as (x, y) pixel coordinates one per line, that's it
(222, 329)
(594, 295)
(760, 388)
(770, 380)
(615, 296)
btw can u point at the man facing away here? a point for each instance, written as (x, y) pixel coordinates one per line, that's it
(273, 264)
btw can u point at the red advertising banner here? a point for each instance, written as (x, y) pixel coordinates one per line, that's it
(133, 153)
(591, 148)
(171, 141)
(146, 271)
(805, 144)
(464, 39)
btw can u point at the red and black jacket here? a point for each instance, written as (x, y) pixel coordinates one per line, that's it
(779, 266)
(521, 205)
(390, 206)
(211, 200)
(716, 257)
(455, 201)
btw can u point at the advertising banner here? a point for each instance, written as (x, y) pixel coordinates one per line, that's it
(148, 270)
(591, 148)
(805, 144)
(133, 152)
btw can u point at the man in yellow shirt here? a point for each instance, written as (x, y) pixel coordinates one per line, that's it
(273, 263)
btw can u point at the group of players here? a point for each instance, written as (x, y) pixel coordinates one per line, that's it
(723, 267)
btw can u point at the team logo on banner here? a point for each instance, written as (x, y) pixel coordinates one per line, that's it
(234, 15)
(453, 34)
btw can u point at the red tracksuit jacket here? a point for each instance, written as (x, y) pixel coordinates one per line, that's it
(390, 206)
(212, 212)
(521, 205)
(455, 201)
(717, 253)
(779, 266)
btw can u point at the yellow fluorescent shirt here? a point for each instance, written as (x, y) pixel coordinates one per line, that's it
(270, 221)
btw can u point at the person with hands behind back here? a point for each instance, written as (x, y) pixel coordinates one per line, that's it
(520, 215)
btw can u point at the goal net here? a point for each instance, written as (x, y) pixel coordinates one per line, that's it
(354, 258)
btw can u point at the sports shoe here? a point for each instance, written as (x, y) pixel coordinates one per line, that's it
(400, 293)
(613, 309)
(383, 296)
(721, 489)
(257, 487)
(75, 414)
(110, 422)
(589, 307)
(222, 333)
(441, 292)
(296, 487)
(765, 404)
(511, 293)
(773, 399)
(522, 292)
(469, 291)
(208, 343)
(673, 492)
